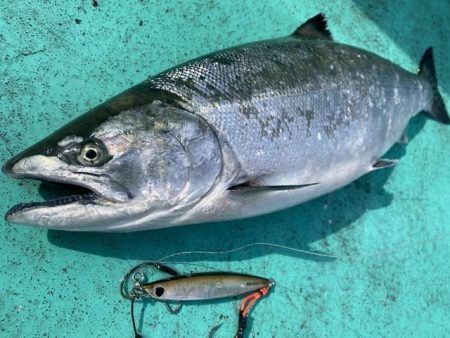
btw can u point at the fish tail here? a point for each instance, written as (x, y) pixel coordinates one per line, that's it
(427, 71)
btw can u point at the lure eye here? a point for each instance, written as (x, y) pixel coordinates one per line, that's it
(159, 291)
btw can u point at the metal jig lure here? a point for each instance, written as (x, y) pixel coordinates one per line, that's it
(194, 287)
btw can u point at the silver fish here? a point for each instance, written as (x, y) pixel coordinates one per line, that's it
(237, 133)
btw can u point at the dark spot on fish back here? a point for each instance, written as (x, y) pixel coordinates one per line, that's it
(328, 130)
(222, 59)
(309, 116)
(248, 111)
(188, 82)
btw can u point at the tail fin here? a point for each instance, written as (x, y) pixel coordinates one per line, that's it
(426, 70)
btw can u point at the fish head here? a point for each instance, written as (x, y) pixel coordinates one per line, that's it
(141, 168)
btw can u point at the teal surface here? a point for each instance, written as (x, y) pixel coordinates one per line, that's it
(389, 229)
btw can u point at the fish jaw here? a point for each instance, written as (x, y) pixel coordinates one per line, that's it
(104, 193)
(48, 214)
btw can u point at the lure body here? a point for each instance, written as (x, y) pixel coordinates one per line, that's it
(195, 287)
(204, 286)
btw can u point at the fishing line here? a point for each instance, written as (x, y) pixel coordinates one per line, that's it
(243, 247)
(308, 252)
(133, 320)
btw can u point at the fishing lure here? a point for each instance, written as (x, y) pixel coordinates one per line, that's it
(194, 287)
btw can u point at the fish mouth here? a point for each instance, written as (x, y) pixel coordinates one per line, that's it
(55, 195)
(63, 186)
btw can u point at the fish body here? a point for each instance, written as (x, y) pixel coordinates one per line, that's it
(204, 286)
(237, 133)
(335, 111)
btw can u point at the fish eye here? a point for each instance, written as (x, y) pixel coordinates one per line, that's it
(91, 154)
(159, 291)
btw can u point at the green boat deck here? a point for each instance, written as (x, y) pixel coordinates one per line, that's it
(389, 230)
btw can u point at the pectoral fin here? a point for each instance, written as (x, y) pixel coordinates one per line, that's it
(250, 187)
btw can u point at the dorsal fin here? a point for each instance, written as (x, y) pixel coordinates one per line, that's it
(314, 28)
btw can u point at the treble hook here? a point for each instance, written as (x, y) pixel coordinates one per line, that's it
(137, 287)
(137, 291)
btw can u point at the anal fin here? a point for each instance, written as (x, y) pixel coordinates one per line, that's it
(384, 163)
